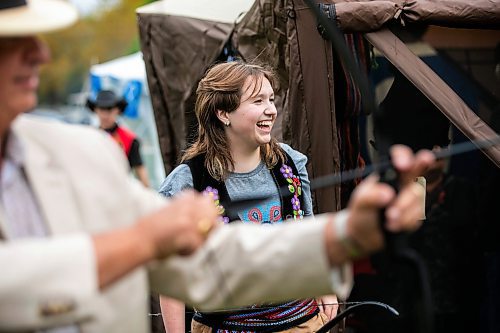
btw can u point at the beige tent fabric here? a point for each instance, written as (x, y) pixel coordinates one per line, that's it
(453, 13)
(371, 15)
(222, 11)
(363, 16)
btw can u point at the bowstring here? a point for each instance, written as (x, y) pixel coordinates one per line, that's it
(270, 306)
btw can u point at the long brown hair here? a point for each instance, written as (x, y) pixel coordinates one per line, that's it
(221, 89)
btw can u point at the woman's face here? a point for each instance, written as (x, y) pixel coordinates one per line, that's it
(251, 123)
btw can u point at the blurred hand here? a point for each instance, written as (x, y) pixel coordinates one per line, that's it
(404, 213)
(180, 227)
(328, 304)
(403, 210)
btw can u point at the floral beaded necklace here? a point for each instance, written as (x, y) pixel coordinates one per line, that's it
(295, 187)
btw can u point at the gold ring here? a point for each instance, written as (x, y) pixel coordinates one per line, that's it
(204, 226)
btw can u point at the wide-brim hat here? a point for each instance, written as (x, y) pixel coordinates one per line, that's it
(31, 17)
(107, 99)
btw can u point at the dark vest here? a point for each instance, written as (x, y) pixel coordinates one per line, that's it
(202, 179)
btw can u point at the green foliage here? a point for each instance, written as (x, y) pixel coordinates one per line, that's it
(110, 33)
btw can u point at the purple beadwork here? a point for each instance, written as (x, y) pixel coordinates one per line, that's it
(286, 171)
(214, 194)
(295, 203)
(295, 187)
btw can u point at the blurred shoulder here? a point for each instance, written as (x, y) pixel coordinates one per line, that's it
(68, 142)
(46, 129)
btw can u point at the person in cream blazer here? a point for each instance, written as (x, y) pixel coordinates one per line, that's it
(82, 243)
(84, 188)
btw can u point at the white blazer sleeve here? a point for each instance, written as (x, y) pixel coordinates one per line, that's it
(244, 264)
(46, 280)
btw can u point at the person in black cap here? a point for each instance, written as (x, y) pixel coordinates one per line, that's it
(108, 107)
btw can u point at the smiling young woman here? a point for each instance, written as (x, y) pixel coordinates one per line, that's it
(234, 157)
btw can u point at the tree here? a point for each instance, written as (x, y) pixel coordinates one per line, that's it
(107, 34)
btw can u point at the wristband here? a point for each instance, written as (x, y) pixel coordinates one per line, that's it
(348, 244)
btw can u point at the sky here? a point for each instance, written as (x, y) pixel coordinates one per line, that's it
(86, 7)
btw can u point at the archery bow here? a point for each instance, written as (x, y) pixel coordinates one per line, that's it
(383, 143)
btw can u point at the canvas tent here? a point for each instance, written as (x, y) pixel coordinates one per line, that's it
(180, 39)
(126, 76)
(179, 45)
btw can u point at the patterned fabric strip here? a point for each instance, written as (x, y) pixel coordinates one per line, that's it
(277, 317)
(348, 107)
